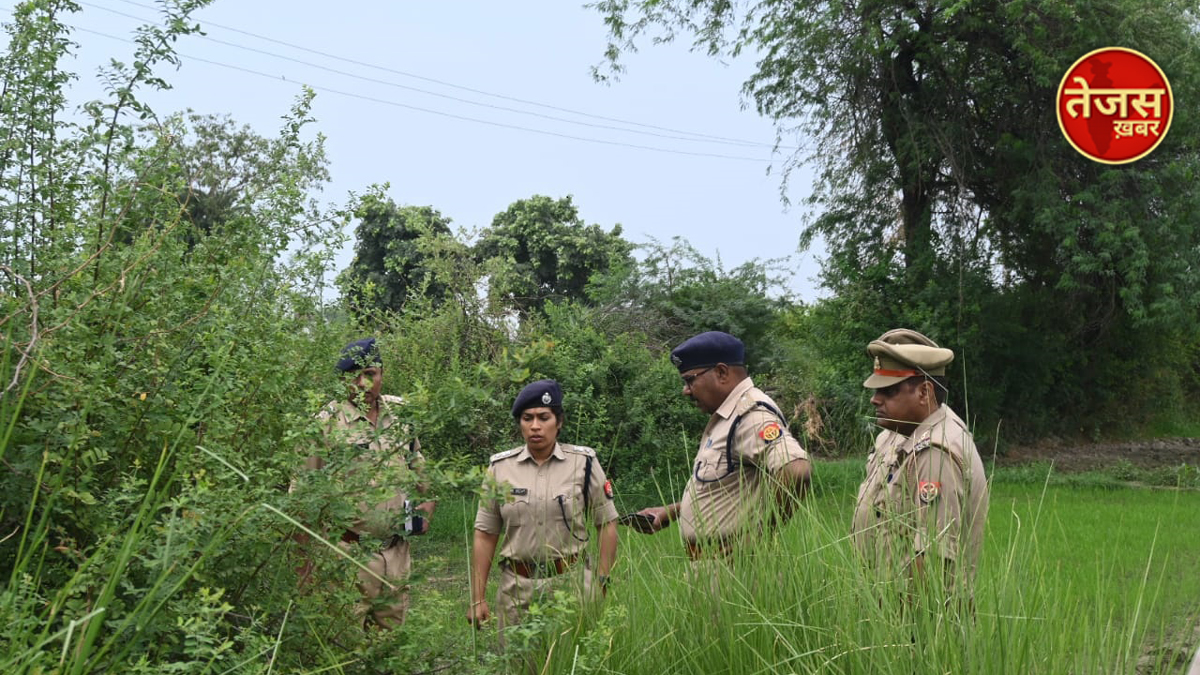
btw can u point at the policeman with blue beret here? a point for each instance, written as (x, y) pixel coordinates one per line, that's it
(744, 451)
(365, 424)
(358, 355)
(554, 491)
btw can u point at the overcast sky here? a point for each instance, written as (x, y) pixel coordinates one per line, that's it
(540, 52)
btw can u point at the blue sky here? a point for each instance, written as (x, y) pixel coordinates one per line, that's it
(537, 51)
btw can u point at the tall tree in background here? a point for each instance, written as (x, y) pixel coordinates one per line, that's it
(389, 261)
(540, 249)
(949, 199)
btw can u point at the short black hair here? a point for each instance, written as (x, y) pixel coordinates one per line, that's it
(938, 382)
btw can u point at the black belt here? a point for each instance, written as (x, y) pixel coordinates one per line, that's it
(352, 537)
(540, 569)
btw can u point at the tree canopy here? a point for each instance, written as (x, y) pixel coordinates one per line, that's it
(947, 197)
(389, 261)
(540, 249)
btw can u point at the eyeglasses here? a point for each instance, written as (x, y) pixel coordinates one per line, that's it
(689, 379)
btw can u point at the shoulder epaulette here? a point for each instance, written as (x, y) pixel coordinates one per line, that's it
(504, 455)
(578, 449)
(744, 405)
(328, 411)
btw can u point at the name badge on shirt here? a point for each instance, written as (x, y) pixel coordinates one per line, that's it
(520, 492)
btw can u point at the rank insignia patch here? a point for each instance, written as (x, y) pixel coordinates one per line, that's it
(928, 490)
(608, 491)
(770, 432)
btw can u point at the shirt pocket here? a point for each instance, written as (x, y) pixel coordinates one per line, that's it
(711, 466)
(516, 512)
(568, 521)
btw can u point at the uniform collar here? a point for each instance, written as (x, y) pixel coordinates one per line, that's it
(556, 453)
(922, 430)
(726, 409)
(348, 412)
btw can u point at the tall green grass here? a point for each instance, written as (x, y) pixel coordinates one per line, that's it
(1072, 580)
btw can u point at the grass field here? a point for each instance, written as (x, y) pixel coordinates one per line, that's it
(1074, 578)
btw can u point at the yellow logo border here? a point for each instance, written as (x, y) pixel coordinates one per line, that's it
(1063, 83)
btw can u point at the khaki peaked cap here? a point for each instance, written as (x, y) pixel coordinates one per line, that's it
(902, 353)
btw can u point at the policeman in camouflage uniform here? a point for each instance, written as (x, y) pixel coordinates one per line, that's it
(925, 499)
(553, 491)
(748, 467)
(366, 421)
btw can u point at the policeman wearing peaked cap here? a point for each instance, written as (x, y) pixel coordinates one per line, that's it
(744, 451)
(925, 499)
(554, 491)
(363, 427)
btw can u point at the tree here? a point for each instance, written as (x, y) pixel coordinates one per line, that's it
(389, 262)
(675, 292)
(219, 173)
(539, 248)
(949, 199)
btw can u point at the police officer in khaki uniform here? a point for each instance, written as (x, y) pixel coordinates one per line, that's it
(745, 448)
(362, 435)
(925, 497)
(552, 492)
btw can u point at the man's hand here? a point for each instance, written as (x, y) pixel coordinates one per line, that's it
(422, 518)
(661, 516)
(478, 613)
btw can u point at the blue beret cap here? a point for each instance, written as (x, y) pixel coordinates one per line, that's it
(545, 393)
(709, 349)
(359, 354)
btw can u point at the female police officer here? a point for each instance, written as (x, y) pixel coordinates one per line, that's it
(552, 490)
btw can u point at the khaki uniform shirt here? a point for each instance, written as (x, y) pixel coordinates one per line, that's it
(721, 501)
(924, 493)
(543, 517)
(394, 455)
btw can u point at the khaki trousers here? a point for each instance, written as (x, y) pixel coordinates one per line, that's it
(516, 592)
(380, 605)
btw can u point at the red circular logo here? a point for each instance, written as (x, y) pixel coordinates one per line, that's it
(1114, 105)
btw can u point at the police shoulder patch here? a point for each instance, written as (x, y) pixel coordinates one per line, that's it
(608, 489)
(770, 432)
(503, 455)
(928, 490)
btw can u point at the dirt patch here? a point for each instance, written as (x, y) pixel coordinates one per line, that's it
(1074, 456)
(1173, 656)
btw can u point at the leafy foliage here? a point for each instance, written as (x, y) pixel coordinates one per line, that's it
(389, 264)
(948, 200)
(167, 343)
(540, 249)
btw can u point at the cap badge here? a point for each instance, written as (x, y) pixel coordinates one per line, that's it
(878, 365)
(676, 361)
(546, 398)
